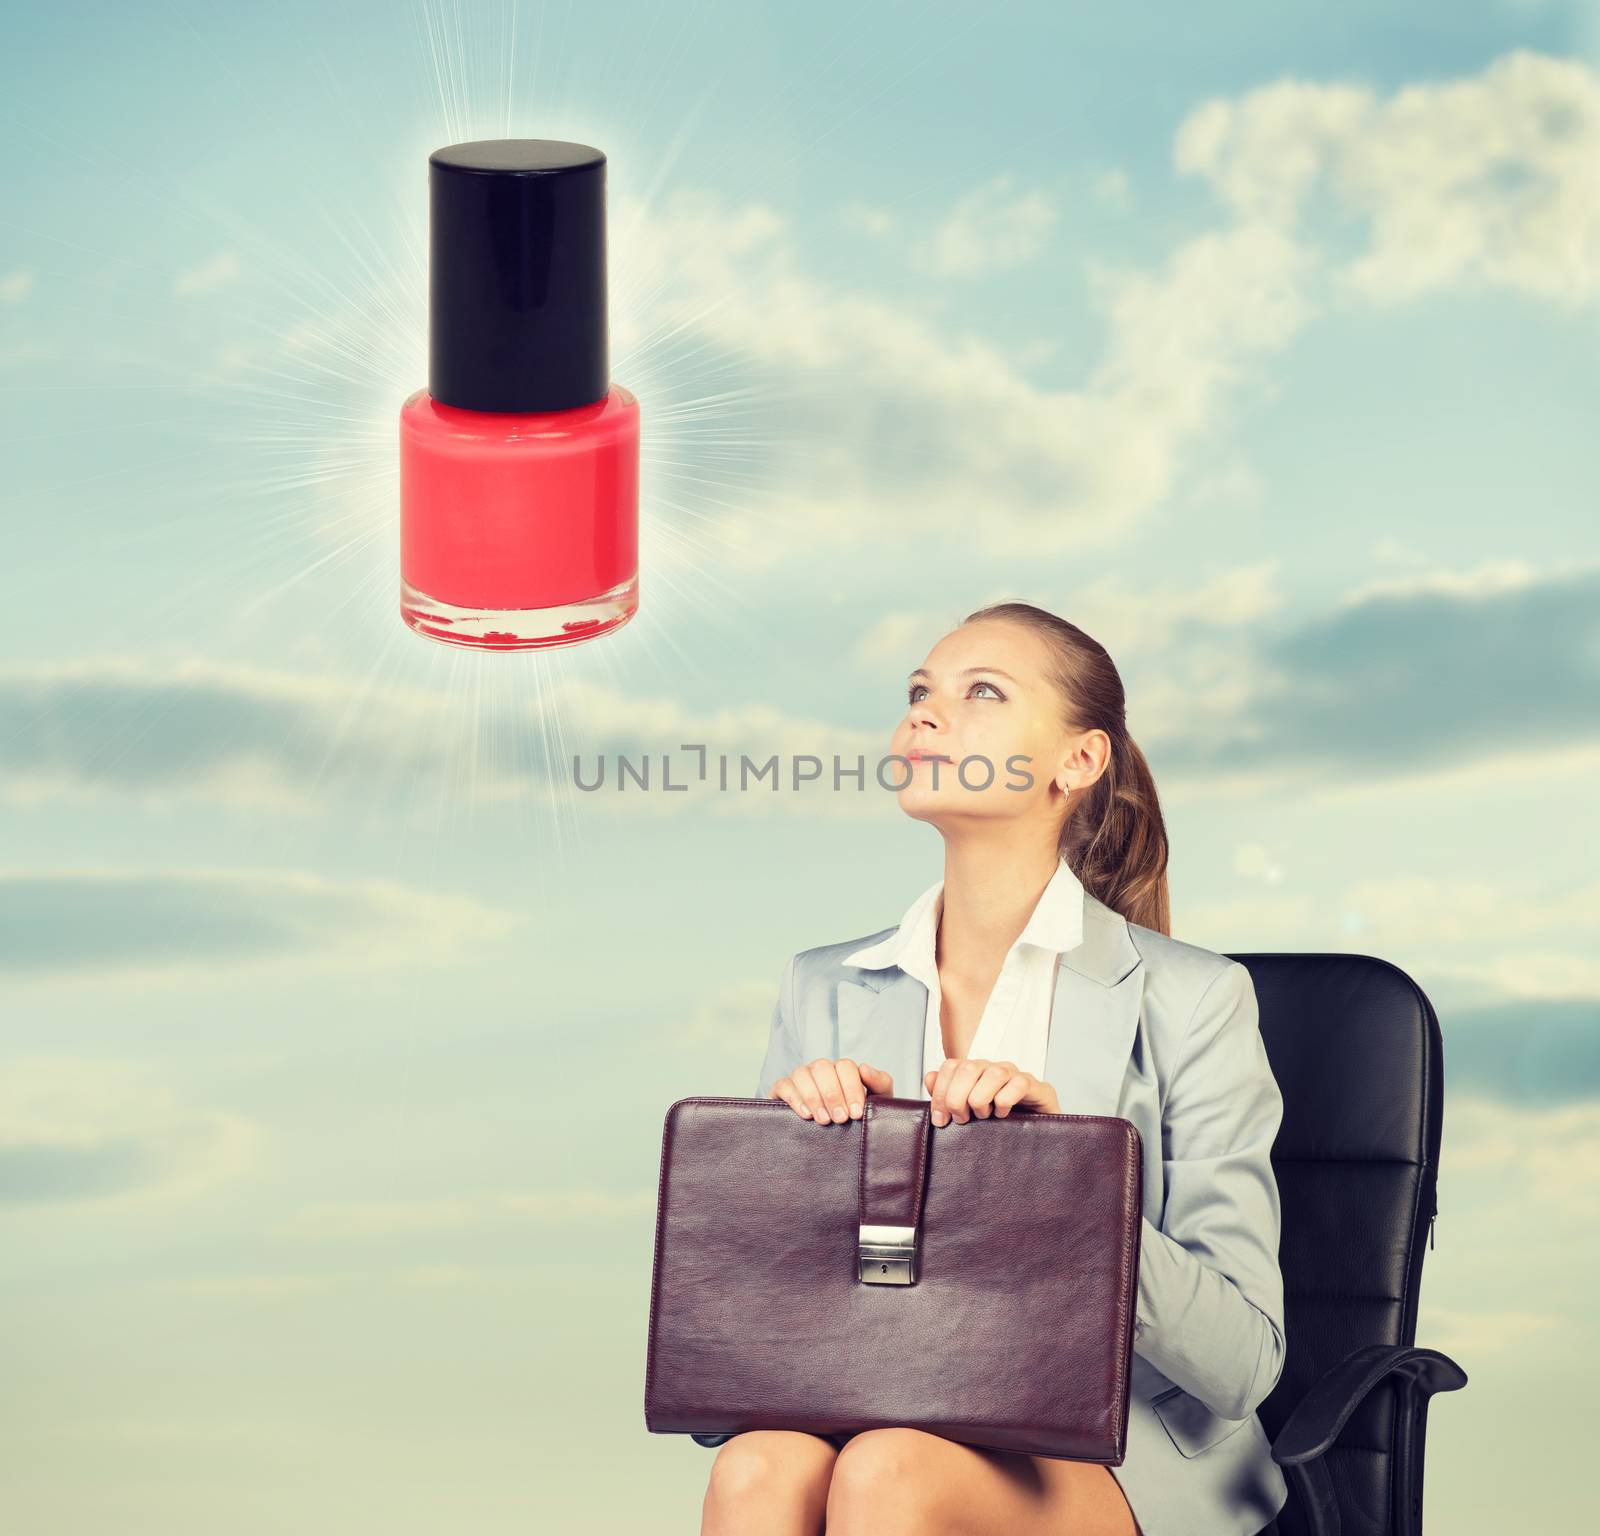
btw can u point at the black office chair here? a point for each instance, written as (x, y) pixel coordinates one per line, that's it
(1356, 1049)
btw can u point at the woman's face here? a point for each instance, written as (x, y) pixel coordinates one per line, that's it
(982, 696)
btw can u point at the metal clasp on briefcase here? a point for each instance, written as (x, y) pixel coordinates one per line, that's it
(895, 1138)
(886, 1255)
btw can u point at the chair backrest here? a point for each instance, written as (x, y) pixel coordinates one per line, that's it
(1356, 1049)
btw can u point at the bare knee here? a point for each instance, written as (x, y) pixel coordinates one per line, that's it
(880, 1482)
(743, 1467)
(876, 1456)
(768, 1480)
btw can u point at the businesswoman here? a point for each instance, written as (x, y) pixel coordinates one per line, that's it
(1038, 975)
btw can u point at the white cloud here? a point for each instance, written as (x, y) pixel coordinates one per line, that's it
(1392, 551)
(75, 1131)
(251, 737)
(1494, 178)
(214, 274)
(1180, 337)
(992, 228)
(1232, 484)
(246, 736)
(790, 410)
(1228, 705)
(29, 352)
(1465, 1333)
(902, 636)
(1546, 1156)
(106, 926)
(183, 1434)
(468, 1277)
(886, 423)
(1534, 973)
(734, 1019)
(1280, 916)
(1416, 909)
(1485, 580)
(272, 1285)
(265, 1286)
(1128, 616)
(1479, 941)
(500, 1210)
(1112, 189)
(1255, 861)
(877, 222)
(16, 286)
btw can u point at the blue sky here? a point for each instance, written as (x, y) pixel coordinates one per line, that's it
(1260, 343)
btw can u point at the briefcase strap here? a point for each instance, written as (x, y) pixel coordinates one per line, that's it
(894, 1174)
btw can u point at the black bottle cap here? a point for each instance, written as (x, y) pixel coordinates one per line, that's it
(517, 275)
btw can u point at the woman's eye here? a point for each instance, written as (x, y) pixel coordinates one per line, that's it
(912, 692)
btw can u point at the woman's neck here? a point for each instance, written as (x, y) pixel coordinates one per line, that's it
(990, 891)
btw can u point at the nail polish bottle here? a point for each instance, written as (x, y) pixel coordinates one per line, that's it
(519, 463)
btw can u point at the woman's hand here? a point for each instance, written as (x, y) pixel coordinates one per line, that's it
(831, 1091)
(964, 1087)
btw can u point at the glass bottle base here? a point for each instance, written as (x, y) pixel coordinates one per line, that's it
(519, 629)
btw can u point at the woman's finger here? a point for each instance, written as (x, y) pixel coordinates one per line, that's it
(1015, 1090)
(958, 1091)
(786, 1090)
(809, 1093)
(877, 1080)
(855, 1096)
(948, 1096)
(826, 1077)
(980, 1097)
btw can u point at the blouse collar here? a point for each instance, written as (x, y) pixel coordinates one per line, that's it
(1056, 924)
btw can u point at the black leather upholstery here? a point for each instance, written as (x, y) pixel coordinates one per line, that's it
(1356, 1048)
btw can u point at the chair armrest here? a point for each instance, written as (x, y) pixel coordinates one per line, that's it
(1328, 1403)
(1318, 1417)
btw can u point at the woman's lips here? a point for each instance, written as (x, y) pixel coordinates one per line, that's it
(927, 757)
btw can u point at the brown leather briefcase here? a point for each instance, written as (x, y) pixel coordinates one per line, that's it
(974, 1280)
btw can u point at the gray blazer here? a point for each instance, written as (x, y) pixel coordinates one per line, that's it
(1165, 1034)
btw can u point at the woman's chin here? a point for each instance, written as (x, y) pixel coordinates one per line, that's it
(924, 802)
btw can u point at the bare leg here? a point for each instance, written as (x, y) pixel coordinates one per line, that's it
(906, 1482)
(769, 1482)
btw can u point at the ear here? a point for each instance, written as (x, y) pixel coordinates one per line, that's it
(1061, 775)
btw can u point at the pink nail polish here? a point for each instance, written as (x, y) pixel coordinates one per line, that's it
(519, 463)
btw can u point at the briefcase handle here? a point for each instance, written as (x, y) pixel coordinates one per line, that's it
(895, 1135)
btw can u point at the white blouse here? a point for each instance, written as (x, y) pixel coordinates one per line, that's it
(1015, 1025)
